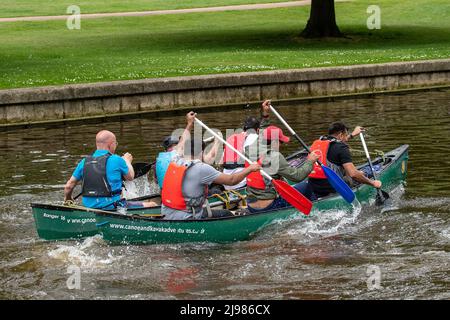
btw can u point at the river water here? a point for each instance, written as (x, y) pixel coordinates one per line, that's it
(335, 257)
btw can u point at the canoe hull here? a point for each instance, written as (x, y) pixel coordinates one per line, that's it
(125, 230)
(63, 223)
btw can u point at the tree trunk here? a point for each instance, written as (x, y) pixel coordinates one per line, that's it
(322, 20)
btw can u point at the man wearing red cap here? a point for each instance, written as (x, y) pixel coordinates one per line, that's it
(262, 196)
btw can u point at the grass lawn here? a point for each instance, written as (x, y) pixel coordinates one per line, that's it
(20, 8)
(46, 53)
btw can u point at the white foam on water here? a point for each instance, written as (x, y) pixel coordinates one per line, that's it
(446, 233)
(137, 188)
(327, 222)
(8, 217)
(42, 160)
(83, 254)
(130, 191)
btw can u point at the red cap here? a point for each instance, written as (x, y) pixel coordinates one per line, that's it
(275, 133)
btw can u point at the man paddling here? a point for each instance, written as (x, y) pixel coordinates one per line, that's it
(185, 187)
(174, 146)
(262, 196)
(335, 154)
(232, 163)
(102, 174)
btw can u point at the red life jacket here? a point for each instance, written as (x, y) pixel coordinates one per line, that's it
(237, 141)
(255, 179)
(171, 193)
(172, 190)
(322, 146)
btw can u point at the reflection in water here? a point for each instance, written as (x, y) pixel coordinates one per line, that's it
(324, 256)
(181, 280)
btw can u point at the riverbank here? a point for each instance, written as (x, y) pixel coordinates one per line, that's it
(22, 107)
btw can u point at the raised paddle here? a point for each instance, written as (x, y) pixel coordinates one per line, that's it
(382, 196)
(288, 193)
(336, 182)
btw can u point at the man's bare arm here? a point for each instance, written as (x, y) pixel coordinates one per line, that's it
(190, 118)
(68, 188)
(235, 178)
(211, 155)
(357, 175)
(128, 159)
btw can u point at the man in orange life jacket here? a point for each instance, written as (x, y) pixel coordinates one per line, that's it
(185, 186)
(173, 145)
(232, 163)
(262, 196)
(335, 154)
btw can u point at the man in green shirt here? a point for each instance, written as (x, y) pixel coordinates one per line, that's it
(262, 196)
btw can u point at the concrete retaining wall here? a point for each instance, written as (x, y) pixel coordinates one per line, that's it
(64, 103)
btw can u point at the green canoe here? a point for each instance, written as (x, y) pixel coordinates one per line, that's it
(60, 222)
(125, 229)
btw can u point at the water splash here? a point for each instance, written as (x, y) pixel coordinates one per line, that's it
(137, 188)
(83, 254)
(328, 222)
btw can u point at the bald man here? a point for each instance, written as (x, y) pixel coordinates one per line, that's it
(102, 174)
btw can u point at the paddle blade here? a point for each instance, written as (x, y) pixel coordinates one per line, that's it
(291, 195)
(382, 196)
(339, 185)
(141, 168)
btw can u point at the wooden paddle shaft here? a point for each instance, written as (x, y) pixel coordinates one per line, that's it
(231, 147)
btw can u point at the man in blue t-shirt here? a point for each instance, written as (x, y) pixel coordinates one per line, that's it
(102, 174)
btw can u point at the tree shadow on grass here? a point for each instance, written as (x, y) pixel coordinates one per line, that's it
(247, 39)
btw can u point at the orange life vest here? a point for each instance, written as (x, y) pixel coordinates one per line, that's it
(255, 179)
(237, 141)
(171, 193)
(322, 146)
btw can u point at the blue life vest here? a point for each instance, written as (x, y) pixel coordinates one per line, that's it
(162, 163)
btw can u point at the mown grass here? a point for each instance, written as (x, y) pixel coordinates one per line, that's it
(46, 53)
(14, 8)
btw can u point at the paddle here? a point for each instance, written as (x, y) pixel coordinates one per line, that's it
(288, 193)
(142, 168)
(336, 182)
(382, 196)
